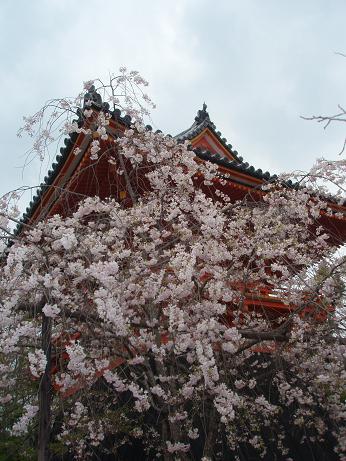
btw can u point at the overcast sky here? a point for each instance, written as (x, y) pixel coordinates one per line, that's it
(258, 64)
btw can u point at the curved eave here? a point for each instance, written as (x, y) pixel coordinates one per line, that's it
(194, 132)
(247, 172)
(208, 139)
(226, 158)
(62, 169)
(247, 177)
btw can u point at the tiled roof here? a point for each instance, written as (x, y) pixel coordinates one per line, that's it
(65, 151)
(202, 121)
(241, 167)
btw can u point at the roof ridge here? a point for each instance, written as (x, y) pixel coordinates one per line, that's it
(202, 121)
(240, 165)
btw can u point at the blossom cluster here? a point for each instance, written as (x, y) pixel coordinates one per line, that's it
(166, 297)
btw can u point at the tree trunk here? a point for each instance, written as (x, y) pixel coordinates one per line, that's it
(209, 443)
(129, 187)
(164, 437)
(45, 394)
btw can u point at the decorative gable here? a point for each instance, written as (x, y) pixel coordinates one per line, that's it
(203, 134)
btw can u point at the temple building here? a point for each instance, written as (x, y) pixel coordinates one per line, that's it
(74, 177)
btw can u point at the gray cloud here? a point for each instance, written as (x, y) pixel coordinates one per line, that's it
(258, 65)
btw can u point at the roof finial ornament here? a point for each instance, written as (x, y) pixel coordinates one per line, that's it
(202, 114)
(92, 97)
